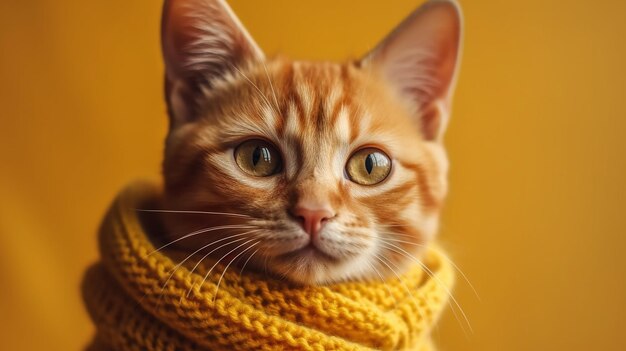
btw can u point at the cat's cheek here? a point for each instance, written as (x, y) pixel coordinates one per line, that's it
(431, 227)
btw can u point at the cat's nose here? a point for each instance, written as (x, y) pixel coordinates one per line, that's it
(312, 219)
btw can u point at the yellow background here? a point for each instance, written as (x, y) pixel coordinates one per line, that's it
(537, 142)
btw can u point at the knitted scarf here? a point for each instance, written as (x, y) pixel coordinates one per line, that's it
(136, 304)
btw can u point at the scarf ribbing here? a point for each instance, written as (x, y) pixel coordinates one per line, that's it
(135, 307)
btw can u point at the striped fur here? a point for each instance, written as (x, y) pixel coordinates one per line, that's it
(316, 114)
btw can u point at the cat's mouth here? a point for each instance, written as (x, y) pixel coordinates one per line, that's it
(308, 252)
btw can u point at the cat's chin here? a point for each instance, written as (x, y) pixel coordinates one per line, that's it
(311, 266)
(307, 254)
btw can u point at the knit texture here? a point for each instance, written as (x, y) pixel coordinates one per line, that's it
(137, 304)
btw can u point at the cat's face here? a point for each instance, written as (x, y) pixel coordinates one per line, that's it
(321, 172)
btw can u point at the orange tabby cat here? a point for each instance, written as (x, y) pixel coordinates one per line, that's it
(314, 171)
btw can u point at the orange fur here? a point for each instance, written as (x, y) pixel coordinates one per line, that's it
(316, 114)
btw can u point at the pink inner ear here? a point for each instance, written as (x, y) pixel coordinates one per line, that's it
(420, 58)
(200, 34)
(202, 40)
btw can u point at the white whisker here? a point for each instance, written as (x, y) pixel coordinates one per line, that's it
(196, 212)
(206, 276)
(442, 254)
(228, 265)
(201, 231)
(434, 276)
(272, 87)
(256, 88)
(404, 284)
(247, 260)
(395, 302)
(173, 270)
(207, 255)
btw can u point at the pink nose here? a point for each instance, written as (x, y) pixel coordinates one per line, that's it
(312, 219)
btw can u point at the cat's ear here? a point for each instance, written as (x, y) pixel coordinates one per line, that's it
(420, 58)
(202, 41)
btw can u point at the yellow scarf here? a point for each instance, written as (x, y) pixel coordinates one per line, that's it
(125, 297)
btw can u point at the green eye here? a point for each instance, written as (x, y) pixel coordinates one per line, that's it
(258, 158)
(368, 166)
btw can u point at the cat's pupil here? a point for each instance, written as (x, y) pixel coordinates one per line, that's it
(256, 155)
(261, 152)
(369, 163)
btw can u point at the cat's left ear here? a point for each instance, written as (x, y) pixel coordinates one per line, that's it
(202, 42)
(420, 58)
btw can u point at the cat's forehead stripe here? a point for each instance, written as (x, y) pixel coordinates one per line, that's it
(320, 92)
(342, 125)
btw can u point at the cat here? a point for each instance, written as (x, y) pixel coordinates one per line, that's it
(316, 172)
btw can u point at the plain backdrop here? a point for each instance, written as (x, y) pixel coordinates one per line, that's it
(535, 216)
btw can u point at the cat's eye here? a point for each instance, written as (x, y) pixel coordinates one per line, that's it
(258, 158)
(368, 166)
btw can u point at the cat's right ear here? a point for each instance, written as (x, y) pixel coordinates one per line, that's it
(420, 59)
(202, 41)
